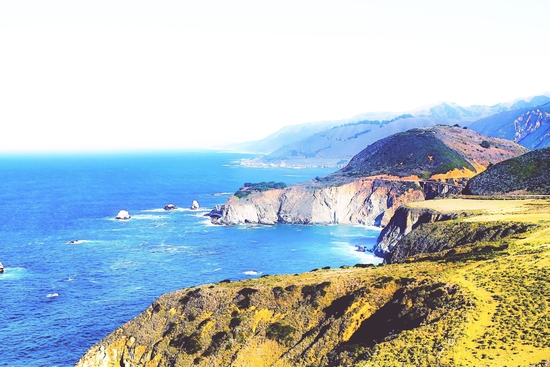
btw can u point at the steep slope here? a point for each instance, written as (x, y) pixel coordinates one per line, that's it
(529, 127)
(368, 201)
(339, 144)
(336, 143)
(434, 152)
(482, 302)
(526, 174)
(383, 176)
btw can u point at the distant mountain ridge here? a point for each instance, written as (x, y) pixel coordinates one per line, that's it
(413, 165)
(334, 143)
(438, 152)
(529, 126)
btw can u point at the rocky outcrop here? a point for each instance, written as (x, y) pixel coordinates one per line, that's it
(285, 321)
(195, 205)
(442, 238)
(1, 268)
(170, 207)
(404, 167)
(368, 201)
(123, 215)
(215, 214)
(403, 222)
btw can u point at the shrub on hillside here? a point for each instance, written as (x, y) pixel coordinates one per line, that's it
(258, 187)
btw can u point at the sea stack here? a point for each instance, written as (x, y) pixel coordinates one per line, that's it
(195, 205)
(1, 268)
(123, 215)
(170, 207)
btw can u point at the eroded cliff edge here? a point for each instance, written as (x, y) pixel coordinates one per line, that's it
(452, 307)
(368, 201)
(414, 165)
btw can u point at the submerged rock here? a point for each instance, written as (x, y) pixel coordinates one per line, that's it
(195, 205)
(170, 207)
(123, 215)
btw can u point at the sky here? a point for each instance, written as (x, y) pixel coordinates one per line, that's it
(119, 75)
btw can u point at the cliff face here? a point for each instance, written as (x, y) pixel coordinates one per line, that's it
(368, 201)
(386, 174)
(417, 229)
(447, 238)
(403, 222)
(452, 309)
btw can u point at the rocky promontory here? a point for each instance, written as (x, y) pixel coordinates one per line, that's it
(417, 164)
(403, 222)
(368, 201)
(469, 291)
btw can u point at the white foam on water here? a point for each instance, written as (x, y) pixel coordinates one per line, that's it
(76, 242)
(221, 194)
(13, 273)
(252, 272)
(208, 223)
(157, 210)
(148, 217)
(52, 295)
(341, 243)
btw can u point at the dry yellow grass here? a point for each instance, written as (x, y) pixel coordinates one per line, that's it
(492, 310)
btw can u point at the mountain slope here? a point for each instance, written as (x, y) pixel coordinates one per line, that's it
(529, 127)
(383, 176)
(338, 142)
(434, 152)
(285, 135)
(526, 174)
(477, 302)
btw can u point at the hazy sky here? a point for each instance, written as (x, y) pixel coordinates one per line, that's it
(117, 74)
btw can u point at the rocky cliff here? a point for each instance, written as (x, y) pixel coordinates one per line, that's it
(403, 222)
(482, 302)
(369, 201)
(443, 225)
(409, 166)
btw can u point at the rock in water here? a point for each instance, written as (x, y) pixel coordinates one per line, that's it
(170, 207)
(195, 205)
(1, 268)
(123, 215)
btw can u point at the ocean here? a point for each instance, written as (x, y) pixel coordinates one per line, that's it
(73, 273)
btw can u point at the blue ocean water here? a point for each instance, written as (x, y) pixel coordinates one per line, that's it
(59, 298)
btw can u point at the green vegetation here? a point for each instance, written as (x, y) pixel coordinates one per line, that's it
(281, 333)
(250, 188)
(485, 144)
(413, 152)
(529, 173)
(478, 296)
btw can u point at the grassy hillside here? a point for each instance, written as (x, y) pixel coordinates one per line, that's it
(436, 152)
(484, 302)
(526, 174)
